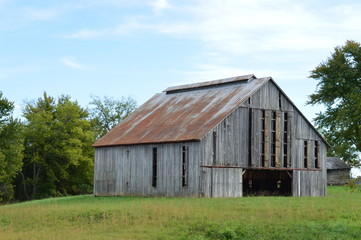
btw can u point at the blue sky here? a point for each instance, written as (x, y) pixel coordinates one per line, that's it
(138, 48)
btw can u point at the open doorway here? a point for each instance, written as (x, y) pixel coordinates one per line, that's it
(267, 183)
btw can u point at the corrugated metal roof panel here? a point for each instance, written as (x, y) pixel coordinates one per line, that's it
(180, 116)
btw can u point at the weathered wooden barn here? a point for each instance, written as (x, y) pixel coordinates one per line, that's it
(225, 138)
(338, 172)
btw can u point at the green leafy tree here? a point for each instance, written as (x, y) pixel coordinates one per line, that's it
(58, 155)
(108, 112)
(339, 90)
(11, 148)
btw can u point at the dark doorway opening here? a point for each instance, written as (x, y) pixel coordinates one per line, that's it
(267, 183)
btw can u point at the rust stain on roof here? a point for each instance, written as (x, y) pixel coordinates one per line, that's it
(182, 113)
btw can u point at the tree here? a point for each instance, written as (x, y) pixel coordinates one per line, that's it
(11, 148)
(339, 90)
(58, 154)
(108, 112)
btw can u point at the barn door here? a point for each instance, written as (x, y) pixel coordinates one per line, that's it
(205, 182)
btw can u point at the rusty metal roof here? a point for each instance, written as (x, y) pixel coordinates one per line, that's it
(183, 113)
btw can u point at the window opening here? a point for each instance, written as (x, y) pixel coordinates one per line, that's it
(317, 149)
(185, 164)
(155, 166)
(279, 101)
(214, 147)
(305, 155)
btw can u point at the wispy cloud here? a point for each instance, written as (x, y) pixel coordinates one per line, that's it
(221, 27)
(42, 14)
(205, 72)
(85, 34)
(238, 27)
(130, 26)
(69, 61)
(8, 72)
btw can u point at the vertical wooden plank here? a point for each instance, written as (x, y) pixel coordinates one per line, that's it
(291, 140)
(236, 138)
(144, 169)
(278, 139)
(250, 137)
(267, 138)
(205, 182)
(243, 146)
(257, 138)
(309, 154)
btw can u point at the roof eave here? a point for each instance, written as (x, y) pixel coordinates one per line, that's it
(144, 143)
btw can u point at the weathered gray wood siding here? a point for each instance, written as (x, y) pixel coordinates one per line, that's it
(231, 145)
(243, 127)
(221, 182)
(338, 176)
(236, 142)
(308, 183)
(226, 145)
(127, 170)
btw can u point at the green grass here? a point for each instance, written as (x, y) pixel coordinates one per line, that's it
(337, 216)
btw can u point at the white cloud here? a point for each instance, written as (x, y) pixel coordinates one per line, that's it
(70, 62)
(239, 27)
(206, 72)
(129, 26)
(160, 5)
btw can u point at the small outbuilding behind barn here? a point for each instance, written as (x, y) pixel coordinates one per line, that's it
(338, 172)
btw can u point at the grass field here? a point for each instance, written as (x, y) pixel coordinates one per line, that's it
(337, 216)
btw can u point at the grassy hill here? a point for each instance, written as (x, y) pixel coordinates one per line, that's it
(337, 216)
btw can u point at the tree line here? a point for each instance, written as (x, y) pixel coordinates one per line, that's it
(49, 153)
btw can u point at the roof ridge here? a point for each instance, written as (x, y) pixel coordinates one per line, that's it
(207, 84)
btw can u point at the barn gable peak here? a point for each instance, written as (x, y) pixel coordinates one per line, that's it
(211, 84)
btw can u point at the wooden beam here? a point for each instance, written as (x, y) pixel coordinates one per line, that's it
(263, 168)
(267, 120)
(290, 136)
(309, 155)
(278, 139)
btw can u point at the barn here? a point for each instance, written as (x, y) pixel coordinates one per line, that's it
(338, 172)
(232, 137)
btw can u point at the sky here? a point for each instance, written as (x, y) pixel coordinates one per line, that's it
(140, 47)
(122, 48)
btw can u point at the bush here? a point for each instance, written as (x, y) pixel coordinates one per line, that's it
(354, 185)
